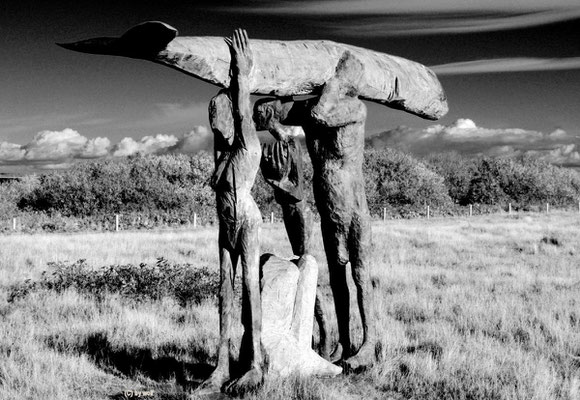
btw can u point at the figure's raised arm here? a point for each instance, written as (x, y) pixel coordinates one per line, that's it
(240, 70)
(338, 104)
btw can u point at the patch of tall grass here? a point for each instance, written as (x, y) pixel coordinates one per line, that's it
(466, 308)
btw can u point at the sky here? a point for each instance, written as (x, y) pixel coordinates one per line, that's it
(510, 69)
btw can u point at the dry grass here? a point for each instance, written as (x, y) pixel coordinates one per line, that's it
(480, 308)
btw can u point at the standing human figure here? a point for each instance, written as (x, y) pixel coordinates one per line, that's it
(334, 127)
(237, 160)
(282, 168)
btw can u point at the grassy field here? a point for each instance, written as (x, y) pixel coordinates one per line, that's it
(467, 308)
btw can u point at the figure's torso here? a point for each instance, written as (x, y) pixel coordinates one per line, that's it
(337, 156)
(234, 177)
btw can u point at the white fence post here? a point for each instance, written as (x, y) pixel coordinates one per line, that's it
(385, 212)
(116, 222)
(547, 208)
(428, 209)
(272, 217)
(14, 223)
(510, 209)
(194, 220)
(470, 210)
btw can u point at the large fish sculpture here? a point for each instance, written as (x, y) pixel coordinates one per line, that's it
(281, 68)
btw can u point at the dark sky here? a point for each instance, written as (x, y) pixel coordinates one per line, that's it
(533, 50)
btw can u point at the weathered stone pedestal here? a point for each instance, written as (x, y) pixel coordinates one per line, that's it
(288, 295)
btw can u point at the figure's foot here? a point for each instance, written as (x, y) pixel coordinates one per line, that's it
(363, 359)
(339, 354)
(324, 349)
(214, 383)
(250, 381)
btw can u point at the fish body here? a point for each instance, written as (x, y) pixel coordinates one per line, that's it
(281, 68)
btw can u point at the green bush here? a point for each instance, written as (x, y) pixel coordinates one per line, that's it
(152, 191)
(169, 183)
(487, 183)
(186, 284)
(526, 182)
(400, 181)
(457, 172)
(12, 192)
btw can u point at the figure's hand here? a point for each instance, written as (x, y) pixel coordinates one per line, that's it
(275, 161)
(279, 168)
(242, 60)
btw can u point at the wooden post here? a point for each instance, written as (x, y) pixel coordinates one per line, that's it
(427, 212)
(194, 220)
(14, 223)
(510, 208)
(470, 210)
(385, 212)
(272, 217)
(116, 222)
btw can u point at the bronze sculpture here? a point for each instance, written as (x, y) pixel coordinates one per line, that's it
(237, 155)
(338, 75)
(334, 128)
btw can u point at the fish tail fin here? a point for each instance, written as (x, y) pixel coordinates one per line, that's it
(149, 37)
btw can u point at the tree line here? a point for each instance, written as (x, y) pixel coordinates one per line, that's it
(178, 185)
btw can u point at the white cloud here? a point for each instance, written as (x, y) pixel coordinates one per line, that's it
(465, 137)
(463, 124)
(379, 18)
(147, 145)
(50, 166)
(563, 154)
(430, 24)
(200, 138)
(95, 148)
(558, 133)
(507, 65)
(54, 145)
(11, 152)
(59, 149)
(334, 7)
(62, 145)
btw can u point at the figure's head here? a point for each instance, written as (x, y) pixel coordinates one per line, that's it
(349, 72)
(221, 119)
(268, 110)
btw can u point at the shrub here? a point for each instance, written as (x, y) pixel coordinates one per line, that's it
(144, 282)
(457, 172)
(12, 192)
(397, 179)
(150, 191)
(487, 183)
(169, 183)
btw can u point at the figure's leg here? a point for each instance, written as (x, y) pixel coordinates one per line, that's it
(359, 247)
(251, 316)
(221, 374)
(298, 224)
(324, 345)
(335, 246)
(251, 355)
